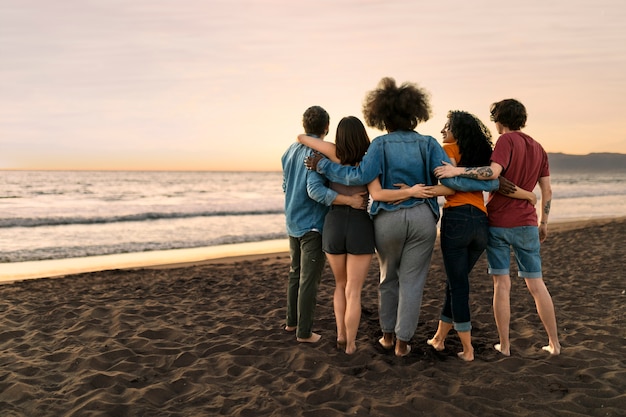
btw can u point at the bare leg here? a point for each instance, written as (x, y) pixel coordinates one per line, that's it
(468, 350)
(338, 266)
(358, 267)
(545, 309)
(502, 311)
(438, 340)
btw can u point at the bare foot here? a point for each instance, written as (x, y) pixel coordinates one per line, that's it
(341, 344)
(466, 356)
(314, 338)
(290, 328)
(506, 352)
(403, 352)
(554, 351)
(436, 344)
(386, 345)
(350, 348)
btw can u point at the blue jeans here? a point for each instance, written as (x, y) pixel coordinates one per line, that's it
(305, 274)
(464, 236)
(526, 247)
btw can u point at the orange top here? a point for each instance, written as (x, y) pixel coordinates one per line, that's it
(460, 198)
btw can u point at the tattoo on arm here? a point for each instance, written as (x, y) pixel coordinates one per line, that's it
(469, 173)
(546, 207)
(477, 173)
(484, 172)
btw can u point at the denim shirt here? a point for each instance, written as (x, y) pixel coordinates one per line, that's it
(402, 157)
(307, 195)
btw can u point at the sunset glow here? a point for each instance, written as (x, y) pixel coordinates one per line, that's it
(222, 85)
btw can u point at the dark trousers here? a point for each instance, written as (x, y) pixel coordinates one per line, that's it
(464, 235)
(305, 274)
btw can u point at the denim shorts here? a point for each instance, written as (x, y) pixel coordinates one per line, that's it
(525, 243)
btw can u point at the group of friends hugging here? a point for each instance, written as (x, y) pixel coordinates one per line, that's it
(348, 200)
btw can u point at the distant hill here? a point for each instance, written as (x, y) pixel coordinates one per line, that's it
(595, 162)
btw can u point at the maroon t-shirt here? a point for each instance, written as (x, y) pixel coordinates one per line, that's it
(523, 162)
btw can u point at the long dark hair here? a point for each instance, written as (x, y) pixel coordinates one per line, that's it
(351, 140)
(473, 138)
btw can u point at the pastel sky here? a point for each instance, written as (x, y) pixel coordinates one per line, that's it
(222, 84)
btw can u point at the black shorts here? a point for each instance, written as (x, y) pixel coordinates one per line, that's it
(348, 230)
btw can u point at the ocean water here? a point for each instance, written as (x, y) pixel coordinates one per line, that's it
(52, 215)
(66, 214)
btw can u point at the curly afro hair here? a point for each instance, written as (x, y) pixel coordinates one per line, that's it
(391, 108)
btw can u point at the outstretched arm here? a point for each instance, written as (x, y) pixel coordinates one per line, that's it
(328, 149)
(356, 201)
(509, 189)
(405, 192)
(317, 189)
(490, 172)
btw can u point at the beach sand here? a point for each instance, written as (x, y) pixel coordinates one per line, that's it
(205, 339)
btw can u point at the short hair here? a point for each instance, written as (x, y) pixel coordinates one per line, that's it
(351, 141)
(315, 121)
(510, 113)
(391, 108)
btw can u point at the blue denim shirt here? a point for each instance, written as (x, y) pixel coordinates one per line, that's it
(307, 196)
(401, 157)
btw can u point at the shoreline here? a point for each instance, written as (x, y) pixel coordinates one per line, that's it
(56, 268)
(174, 258)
